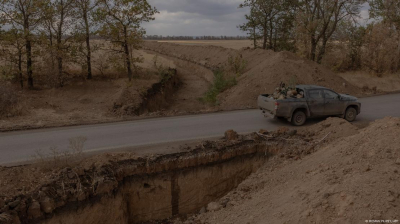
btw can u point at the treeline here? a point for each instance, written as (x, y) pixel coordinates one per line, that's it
(328, 31)
(160, 37)
(56, 31)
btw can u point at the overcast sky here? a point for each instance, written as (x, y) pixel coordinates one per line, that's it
(196, 18)
(199, 17)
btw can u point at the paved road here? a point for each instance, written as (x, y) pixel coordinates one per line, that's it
(21, 146)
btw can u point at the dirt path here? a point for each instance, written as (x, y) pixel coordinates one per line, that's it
(192, 89)
(195, 82)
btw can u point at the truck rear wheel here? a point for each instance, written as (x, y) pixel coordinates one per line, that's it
(299, 118)
(351, 114)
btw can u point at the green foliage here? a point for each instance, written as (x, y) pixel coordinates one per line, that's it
(7, 73)
(163, 72)
(220, 84)
(388, 10)
(270, 22)
(292, 82)
(9, 101)
(121, 22)
(237, 64)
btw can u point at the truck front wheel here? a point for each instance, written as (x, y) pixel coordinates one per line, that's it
(299, 118)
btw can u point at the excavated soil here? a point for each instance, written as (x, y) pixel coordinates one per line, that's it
(125, 188)
(353, 179)
(263, 73)
(331, 172)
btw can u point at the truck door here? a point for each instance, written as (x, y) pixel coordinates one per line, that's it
(315, 100)
(333, 106)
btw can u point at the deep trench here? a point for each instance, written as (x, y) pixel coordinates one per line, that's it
(171, 188)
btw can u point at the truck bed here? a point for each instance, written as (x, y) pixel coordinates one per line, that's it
(268, 104)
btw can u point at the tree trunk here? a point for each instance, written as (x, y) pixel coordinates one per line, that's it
(88, 49)
(127, 55)
(321, 52)
(265, 34)
(313, 48)
(29, 71)
(20, 68)
(60, 71)
(59, 61)
(275, 41)
(271, 31)
(254, 37)
(51, 49)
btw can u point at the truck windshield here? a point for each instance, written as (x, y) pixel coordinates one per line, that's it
(330, 95)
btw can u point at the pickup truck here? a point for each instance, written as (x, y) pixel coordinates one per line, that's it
(317, 101)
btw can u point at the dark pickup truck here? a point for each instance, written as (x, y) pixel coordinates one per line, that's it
(317, 101)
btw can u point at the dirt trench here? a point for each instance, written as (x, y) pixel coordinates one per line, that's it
(137, 190)
(146, 197)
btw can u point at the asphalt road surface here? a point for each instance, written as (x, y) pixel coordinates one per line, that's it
(21, 146)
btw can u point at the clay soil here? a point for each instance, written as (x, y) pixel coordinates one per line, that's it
(353, 177)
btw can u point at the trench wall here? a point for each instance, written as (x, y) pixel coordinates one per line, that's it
(145, 189)
(144, 198)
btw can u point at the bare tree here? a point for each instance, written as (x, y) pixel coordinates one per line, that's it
(251, 26)
(122, 25)
(25, 15)
(13, 49)
(389, 12)
(85, 10)
(273, 20)
(318, 19)
(59, 17)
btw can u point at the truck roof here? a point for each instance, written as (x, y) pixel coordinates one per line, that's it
(310, 87)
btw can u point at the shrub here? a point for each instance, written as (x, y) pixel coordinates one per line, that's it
(220, 84)
(8, 101)
(237, 64)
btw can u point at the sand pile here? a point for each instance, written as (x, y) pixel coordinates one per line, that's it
(265, 70)
(349, 181)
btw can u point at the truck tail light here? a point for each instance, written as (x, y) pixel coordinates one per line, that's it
(276, 105)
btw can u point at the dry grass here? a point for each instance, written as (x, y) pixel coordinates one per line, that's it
(368, 80)
(56, 159)
(9, 101)
(233, 44)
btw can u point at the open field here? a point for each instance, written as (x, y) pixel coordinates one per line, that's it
(363, 79)
(233, 44)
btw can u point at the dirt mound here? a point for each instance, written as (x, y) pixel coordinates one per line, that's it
(331, 129)
(349, 181)
(264, 71)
